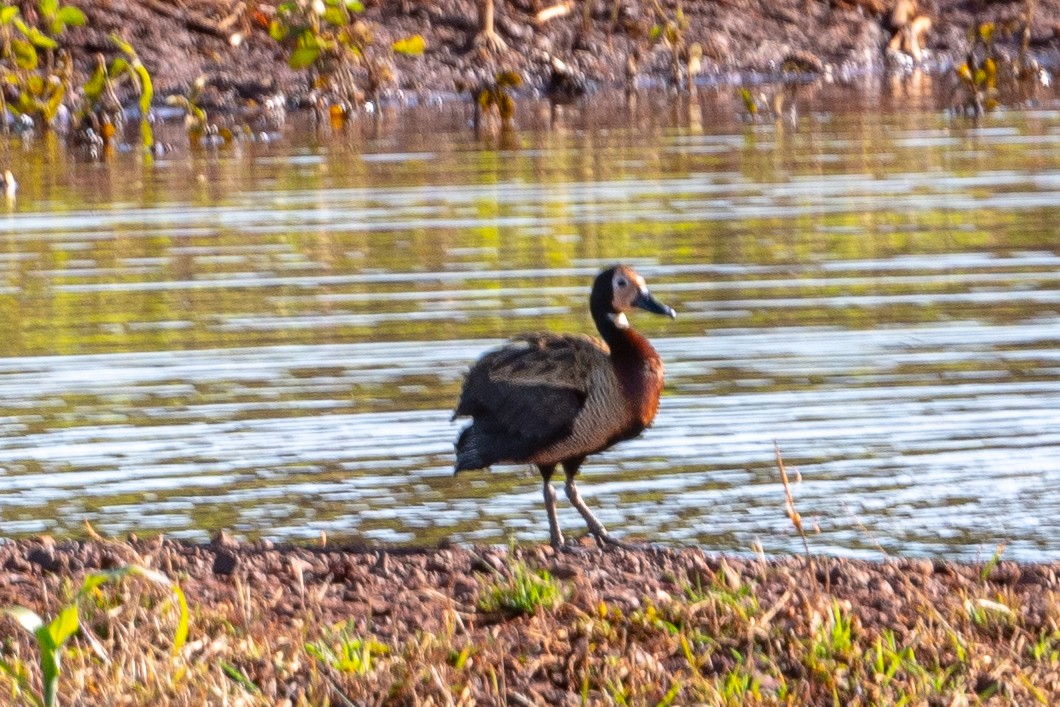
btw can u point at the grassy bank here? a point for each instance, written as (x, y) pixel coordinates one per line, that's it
(301, 625)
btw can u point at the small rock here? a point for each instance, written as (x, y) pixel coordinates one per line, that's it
(381, 564)
(1005, 573)
(923, 567)
(565, 571)
(225, 563)
(435, 565)
(224, 539)
(881, 587)
(44, 557)
(110, 560)
(625, 599)
(465, 589)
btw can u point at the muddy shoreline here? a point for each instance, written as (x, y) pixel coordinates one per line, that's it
(662, 621)
(742, 42)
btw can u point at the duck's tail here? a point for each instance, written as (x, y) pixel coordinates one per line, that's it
(468, 451)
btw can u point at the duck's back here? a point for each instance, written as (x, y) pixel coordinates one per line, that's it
(538, 396)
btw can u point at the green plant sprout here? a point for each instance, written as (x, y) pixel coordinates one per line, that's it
(345, 651)
(51, 637)
(524, 592)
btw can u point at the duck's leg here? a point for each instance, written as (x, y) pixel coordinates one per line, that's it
(596, 528)
(487, 36)
(554, 533)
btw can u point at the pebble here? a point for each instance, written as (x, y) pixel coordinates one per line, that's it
(225, 563)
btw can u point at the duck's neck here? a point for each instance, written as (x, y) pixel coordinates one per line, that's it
(627, 346)
(638, 369)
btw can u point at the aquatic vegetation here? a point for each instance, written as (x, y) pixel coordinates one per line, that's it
(38, 76)
(195, 118)
(495, 102)
(685, 58)
(36, 68)
(978, 74)
(328, 39)
(95, 114)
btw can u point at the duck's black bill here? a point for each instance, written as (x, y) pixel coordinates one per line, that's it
(648, 303)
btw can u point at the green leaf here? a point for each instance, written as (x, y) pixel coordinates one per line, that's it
(656, 32)
(147, 139)
(410, 46)
(147, 87)
(93, 88)
(123, 45)
(29, 620)
(238, 676)
(40, 39)
(7, 14)
(303, 57)
(49, 7)
(278, 30)
(64, 625)
(119, 66)
(26, 104)
(25, 54)
(35, 84)
(509, 79)
(70, 16)
(335, 17)
(355, 6)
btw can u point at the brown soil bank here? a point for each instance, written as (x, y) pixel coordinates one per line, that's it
(180, 41)
(291, 626)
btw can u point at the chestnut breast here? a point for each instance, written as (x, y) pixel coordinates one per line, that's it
(639, 371)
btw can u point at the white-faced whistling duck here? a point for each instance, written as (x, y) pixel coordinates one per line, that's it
(551, 399)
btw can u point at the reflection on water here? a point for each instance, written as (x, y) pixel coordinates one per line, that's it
(270, 338)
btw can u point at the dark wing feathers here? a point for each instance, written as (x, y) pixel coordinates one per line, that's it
(525, 395)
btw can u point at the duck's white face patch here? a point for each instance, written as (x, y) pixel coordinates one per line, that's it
(619, 319)
(626, 287)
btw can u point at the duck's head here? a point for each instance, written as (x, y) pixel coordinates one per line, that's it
(620, 289)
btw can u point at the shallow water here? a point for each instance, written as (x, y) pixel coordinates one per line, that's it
(269, 337)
